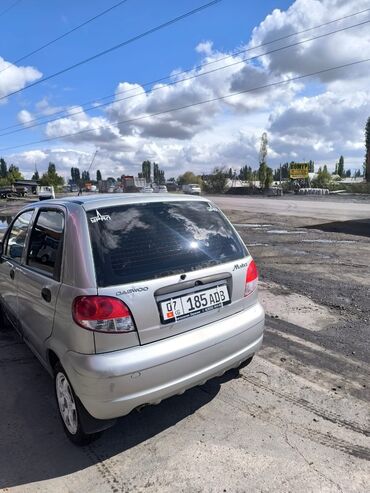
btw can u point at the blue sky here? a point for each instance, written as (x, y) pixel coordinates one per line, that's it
(226, 27)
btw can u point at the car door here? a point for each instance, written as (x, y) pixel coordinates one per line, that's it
(39, 277)
(13, 250)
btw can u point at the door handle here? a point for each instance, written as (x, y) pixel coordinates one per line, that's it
(46, 294)
(12, 273)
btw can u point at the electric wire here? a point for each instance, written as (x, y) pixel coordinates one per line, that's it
(69, 113)
(10, 7)
(63, 35)
(115, 47)
(191, 105)
(162, 79)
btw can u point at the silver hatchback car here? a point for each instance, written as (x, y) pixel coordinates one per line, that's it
(128, 300)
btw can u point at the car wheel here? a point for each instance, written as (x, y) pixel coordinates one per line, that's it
(70, 409)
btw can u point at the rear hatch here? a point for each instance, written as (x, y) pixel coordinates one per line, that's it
(176, 264)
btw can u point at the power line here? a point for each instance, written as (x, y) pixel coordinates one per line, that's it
(63, 35)
(199, 103)
(197, 67)
(115, 47)
(10, 7)
(66, 113)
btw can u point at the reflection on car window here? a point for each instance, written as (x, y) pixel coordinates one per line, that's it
(45, 241)
(17, 236)
(146, 241)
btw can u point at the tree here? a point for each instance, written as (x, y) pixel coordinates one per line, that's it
(263, 148)
(14, 174)
(146, 170)
(311, 166)
(75, 175)
(358, 173)
(348, 173)
(246, 173)
(98, 175)
(367, 147)
(340, 168)
(217, 181)
(269, 178)
(265, 174)
(155, 172)
(51, 177)
(85, 176)
(322, 179)
(3, 168)
(189, 177)
(36, 176)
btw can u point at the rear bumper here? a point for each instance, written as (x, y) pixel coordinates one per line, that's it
(112, 384)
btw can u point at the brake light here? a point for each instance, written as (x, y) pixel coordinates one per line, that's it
(102, 314)
(251, 279)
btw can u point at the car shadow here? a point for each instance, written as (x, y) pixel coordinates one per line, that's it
(33, 446)
(360, 227)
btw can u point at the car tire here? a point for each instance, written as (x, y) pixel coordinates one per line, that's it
(70, 409)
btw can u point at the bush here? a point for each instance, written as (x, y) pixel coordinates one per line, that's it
(216, 182)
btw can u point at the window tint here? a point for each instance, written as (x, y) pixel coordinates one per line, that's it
(146, 241)
(17, 236)
(46, 242)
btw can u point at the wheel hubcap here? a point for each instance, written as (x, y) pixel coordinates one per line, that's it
(66, 402)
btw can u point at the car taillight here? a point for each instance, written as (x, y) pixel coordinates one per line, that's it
(251, 279)
(102, 314)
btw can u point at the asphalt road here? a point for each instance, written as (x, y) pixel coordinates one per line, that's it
(295, 419)
(328, 207)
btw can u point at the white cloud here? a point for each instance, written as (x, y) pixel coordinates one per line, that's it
(45, 108)
(318, 118)
(24, 117)
(14, 78)
(87, 129)
(336, 49)
(205, 48)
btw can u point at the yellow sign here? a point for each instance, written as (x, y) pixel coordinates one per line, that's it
(299, 171)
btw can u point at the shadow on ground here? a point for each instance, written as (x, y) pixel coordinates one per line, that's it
(33, 446)
(354, 227)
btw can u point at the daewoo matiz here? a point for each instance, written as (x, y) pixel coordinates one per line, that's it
(128, 299)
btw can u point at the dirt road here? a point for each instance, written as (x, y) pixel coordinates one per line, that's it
(295, 419)
(332, 208)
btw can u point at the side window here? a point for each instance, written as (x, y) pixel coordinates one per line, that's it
(17, 236)
(46, 240)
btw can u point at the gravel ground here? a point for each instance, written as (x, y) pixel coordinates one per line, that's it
(295, 419)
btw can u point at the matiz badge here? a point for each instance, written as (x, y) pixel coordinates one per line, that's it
(240, 266)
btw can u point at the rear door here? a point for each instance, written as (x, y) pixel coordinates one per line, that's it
(177, 264)
(39, 277)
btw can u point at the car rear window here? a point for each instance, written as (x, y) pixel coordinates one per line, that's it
(138, 242)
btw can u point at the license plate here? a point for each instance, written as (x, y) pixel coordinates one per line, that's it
(192, 304)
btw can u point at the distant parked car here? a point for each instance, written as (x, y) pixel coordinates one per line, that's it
(147, 189)
(161, 189)
(128, 299)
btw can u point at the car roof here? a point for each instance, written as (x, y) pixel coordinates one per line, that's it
(93, 201)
